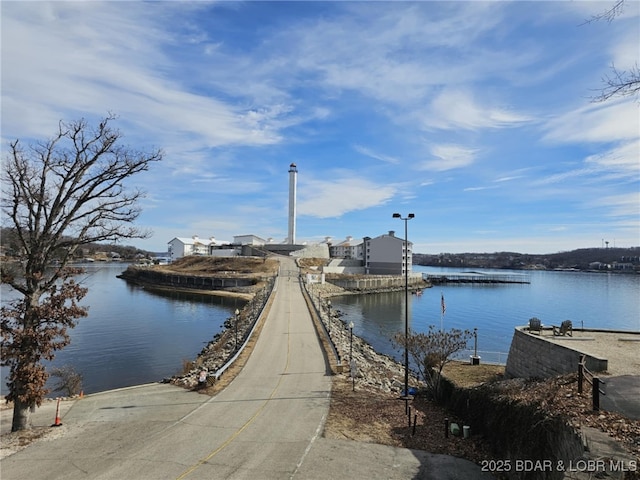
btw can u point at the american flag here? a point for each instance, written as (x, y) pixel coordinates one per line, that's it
(442, 304)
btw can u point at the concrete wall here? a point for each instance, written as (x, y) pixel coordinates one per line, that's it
(532, 355)
(344, 266)
(320, 250)
(142, 275)
(373, 282)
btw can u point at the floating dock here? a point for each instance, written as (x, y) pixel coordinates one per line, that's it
(475, 277)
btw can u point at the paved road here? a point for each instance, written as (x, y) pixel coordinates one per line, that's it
(265, 425)
(623, 395)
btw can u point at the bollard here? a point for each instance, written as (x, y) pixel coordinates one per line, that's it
(446, 428)
(596, 394)
(57, 421)
(415, 420)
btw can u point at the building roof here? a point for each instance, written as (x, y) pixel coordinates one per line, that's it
(202, 241)
(349, 242)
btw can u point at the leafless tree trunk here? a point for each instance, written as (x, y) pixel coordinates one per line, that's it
(57, 196)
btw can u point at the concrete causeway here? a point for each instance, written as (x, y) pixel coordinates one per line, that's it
(266, 424)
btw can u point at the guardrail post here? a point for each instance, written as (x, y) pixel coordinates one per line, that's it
(596, 394)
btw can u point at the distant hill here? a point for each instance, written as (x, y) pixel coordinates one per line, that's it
(9, 247)
(600, 259)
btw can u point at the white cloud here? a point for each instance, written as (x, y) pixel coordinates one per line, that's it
(455, 109)
(624, 158)
(326, 199)
(118, 65)
(603, 122)
(626, 51)
(378, 156)
(449, 157)
(623, 205)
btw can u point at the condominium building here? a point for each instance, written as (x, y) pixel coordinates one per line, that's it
(387, 255)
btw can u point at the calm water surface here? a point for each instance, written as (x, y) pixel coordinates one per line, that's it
(133, 335)
(592, 300)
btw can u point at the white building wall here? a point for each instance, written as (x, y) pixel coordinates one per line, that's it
(181, 247)
(248, 240)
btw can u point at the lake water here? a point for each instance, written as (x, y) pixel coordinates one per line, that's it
(592, 300)
(134, 336)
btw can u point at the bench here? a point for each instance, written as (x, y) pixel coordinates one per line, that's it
(565, 328)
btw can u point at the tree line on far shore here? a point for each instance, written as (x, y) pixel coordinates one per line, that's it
(619, 259)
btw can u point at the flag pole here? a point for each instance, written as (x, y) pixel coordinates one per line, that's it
(443, 308)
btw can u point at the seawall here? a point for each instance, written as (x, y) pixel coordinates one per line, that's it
(146, 276)
(533, 355)
(374, 283)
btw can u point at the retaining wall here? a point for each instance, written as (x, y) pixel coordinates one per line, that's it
(146, 276)
(374, 282)
(515, 431)
(532, 355)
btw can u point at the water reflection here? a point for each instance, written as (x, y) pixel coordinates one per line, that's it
(134, 335)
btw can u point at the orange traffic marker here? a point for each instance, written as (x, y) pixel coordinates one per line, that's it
(58, 421)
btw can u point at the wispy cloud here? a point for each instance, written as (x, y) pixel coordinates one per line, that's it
(456, 109)
(603, 122)
(377, 156)
(327, 199)
(449, 157)
(372, 100)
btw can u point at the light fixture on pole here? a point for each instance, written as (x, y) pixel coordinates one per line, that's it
(406, 307)
(237, 315)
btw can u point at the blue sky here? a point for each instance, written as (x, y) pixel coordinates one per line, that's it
(475, 116)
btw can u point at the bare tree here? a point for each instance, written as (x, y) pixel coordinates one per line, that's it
(619, 83)
(609, 14)
(58, 195)
(431, 351)
(69, 380)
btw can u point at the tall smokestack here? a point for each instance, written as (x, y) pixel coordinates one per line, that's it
(293, 179)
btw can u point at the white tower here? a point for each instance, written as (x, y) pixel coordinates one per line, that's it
(293, 179)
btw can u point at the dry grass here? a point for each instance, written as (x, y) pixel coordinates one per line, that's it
(466, 375)
(196, 265)
(372, 416)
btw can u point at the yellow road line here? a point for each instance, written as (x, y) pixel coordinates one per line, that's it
(255, 415)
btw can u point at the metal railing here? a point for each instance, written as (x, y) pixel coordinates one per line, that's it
(585, 374)
(497, 358)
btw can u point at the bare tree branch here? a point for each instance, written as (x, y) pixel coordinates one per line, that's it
(620, 83)
(58, 195)
(609, 15)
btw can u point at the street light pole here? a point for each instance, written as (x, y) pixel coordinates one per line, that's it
(329, 314)
(237, 314)
(351, 342)
(406, 307)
